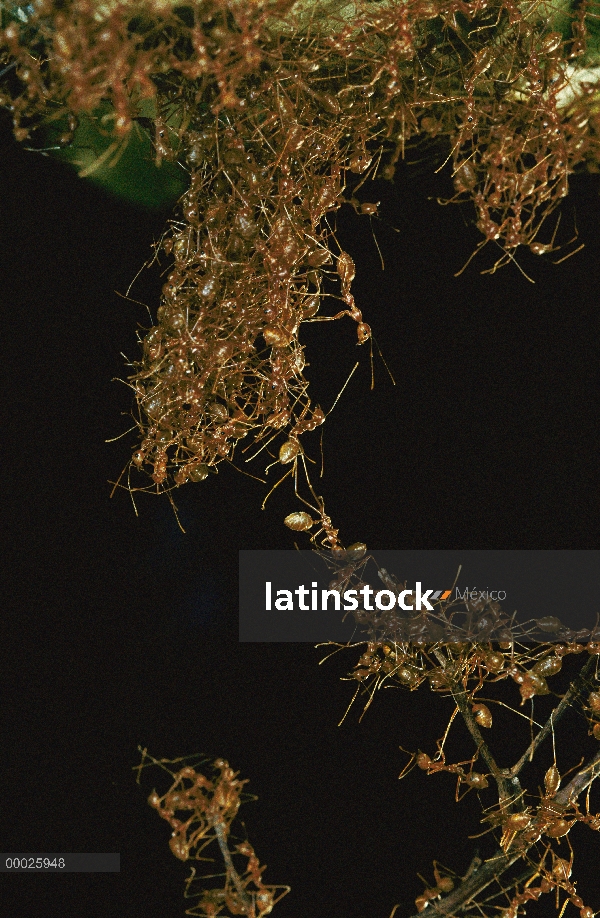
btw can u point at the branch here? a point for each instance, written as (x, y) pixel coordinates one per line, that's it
(579, 782)
(232, 872)
(475, 884)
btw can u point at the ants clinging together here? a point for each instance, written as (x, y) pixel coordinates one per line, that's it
(200, 810)
(529, 827)
(280, 112)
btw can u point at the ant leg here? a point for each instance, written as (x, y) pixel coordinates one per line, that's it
(289, 472)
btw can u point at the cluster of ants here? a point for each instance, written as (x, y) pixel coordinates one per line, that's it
(474, 619)
(69, 57)
(524, 832)
(552, 877)
(460, 669)
(400, 645)
(555, 877)
(200, 811)
(409, 665)
(280, 112)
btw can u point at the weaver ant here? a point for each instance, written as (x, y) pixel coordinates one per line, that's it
(511, 822)
(443, 884)
(538, 248)
(474, 780)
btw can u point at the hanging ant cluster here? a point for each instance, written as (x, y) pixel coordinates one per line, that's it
(251, 254)
(225, 360)
(491, 75)
(277, 109)
(200, 811)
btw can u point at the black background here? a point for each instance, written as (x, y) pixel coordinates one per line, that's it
(119, 630)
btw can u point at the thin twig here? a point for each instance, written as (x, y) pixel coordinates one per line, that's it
(231, 871)
(475, 884)
(579, 782)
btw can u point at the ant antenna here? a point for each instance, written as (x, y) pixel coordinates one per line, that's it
(342, 389)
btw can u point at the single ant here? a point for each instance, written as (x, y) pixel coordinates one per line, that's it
(346, 271)
(443, 884)
(544, 249)
(474, 780)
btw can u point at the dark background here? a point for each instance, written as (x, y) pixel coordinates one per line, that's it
(119, 630)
